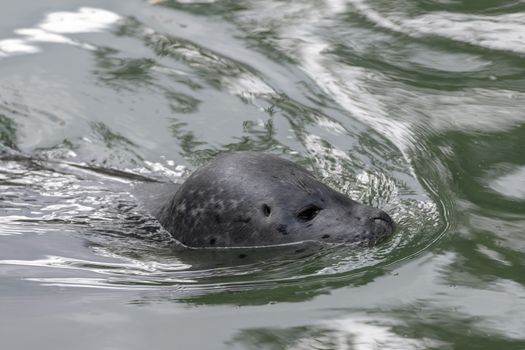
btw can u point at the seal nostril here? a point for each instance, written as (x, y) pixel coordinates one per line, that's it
(382, 221)
(381, 217)
(379, 220)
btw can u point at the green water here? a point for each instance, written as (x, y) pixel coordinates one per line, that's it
(417, 107)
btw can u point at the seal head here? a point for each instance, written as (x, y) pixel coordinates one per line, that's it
(247, 199)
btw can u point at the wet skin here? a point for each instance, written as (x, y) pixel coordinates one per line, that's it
(247, 199)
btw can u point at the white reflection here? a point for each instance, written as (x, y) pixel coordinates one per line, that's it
(371, 334)
(13, 46)
(248, 86)
(35, 34)
(84, 20)
(499, 32)
(362, 333)
(511, 184)
(130, 267)
(97, 283)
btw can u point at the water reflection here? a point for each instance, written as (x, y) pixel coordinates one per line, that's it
(7, 133)
(50, 30)
(478, 155)
(415, 107)
(511, 183)
(358, 332)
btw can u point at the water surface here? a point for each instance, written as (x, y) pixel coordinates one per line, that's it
(416, 107)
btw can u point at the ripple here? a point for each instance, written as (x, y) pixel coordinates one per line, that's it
(498, 32)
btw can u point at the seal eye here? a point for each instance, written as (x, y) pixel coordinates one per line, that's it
(308, 213)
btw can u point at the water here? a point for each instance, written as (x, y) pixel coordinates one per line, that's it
(413, 106)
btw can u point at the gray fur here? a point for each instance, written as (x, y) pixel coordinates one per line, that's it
(247, 199)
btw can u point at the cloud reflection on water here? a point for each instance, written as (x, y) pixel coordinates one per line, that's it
(50, 30)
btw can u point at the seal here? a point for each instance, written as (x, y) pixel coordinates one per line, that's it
(249, 199)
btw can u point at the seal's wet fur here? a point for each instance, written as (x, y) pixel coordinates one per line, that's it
(247, 199)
